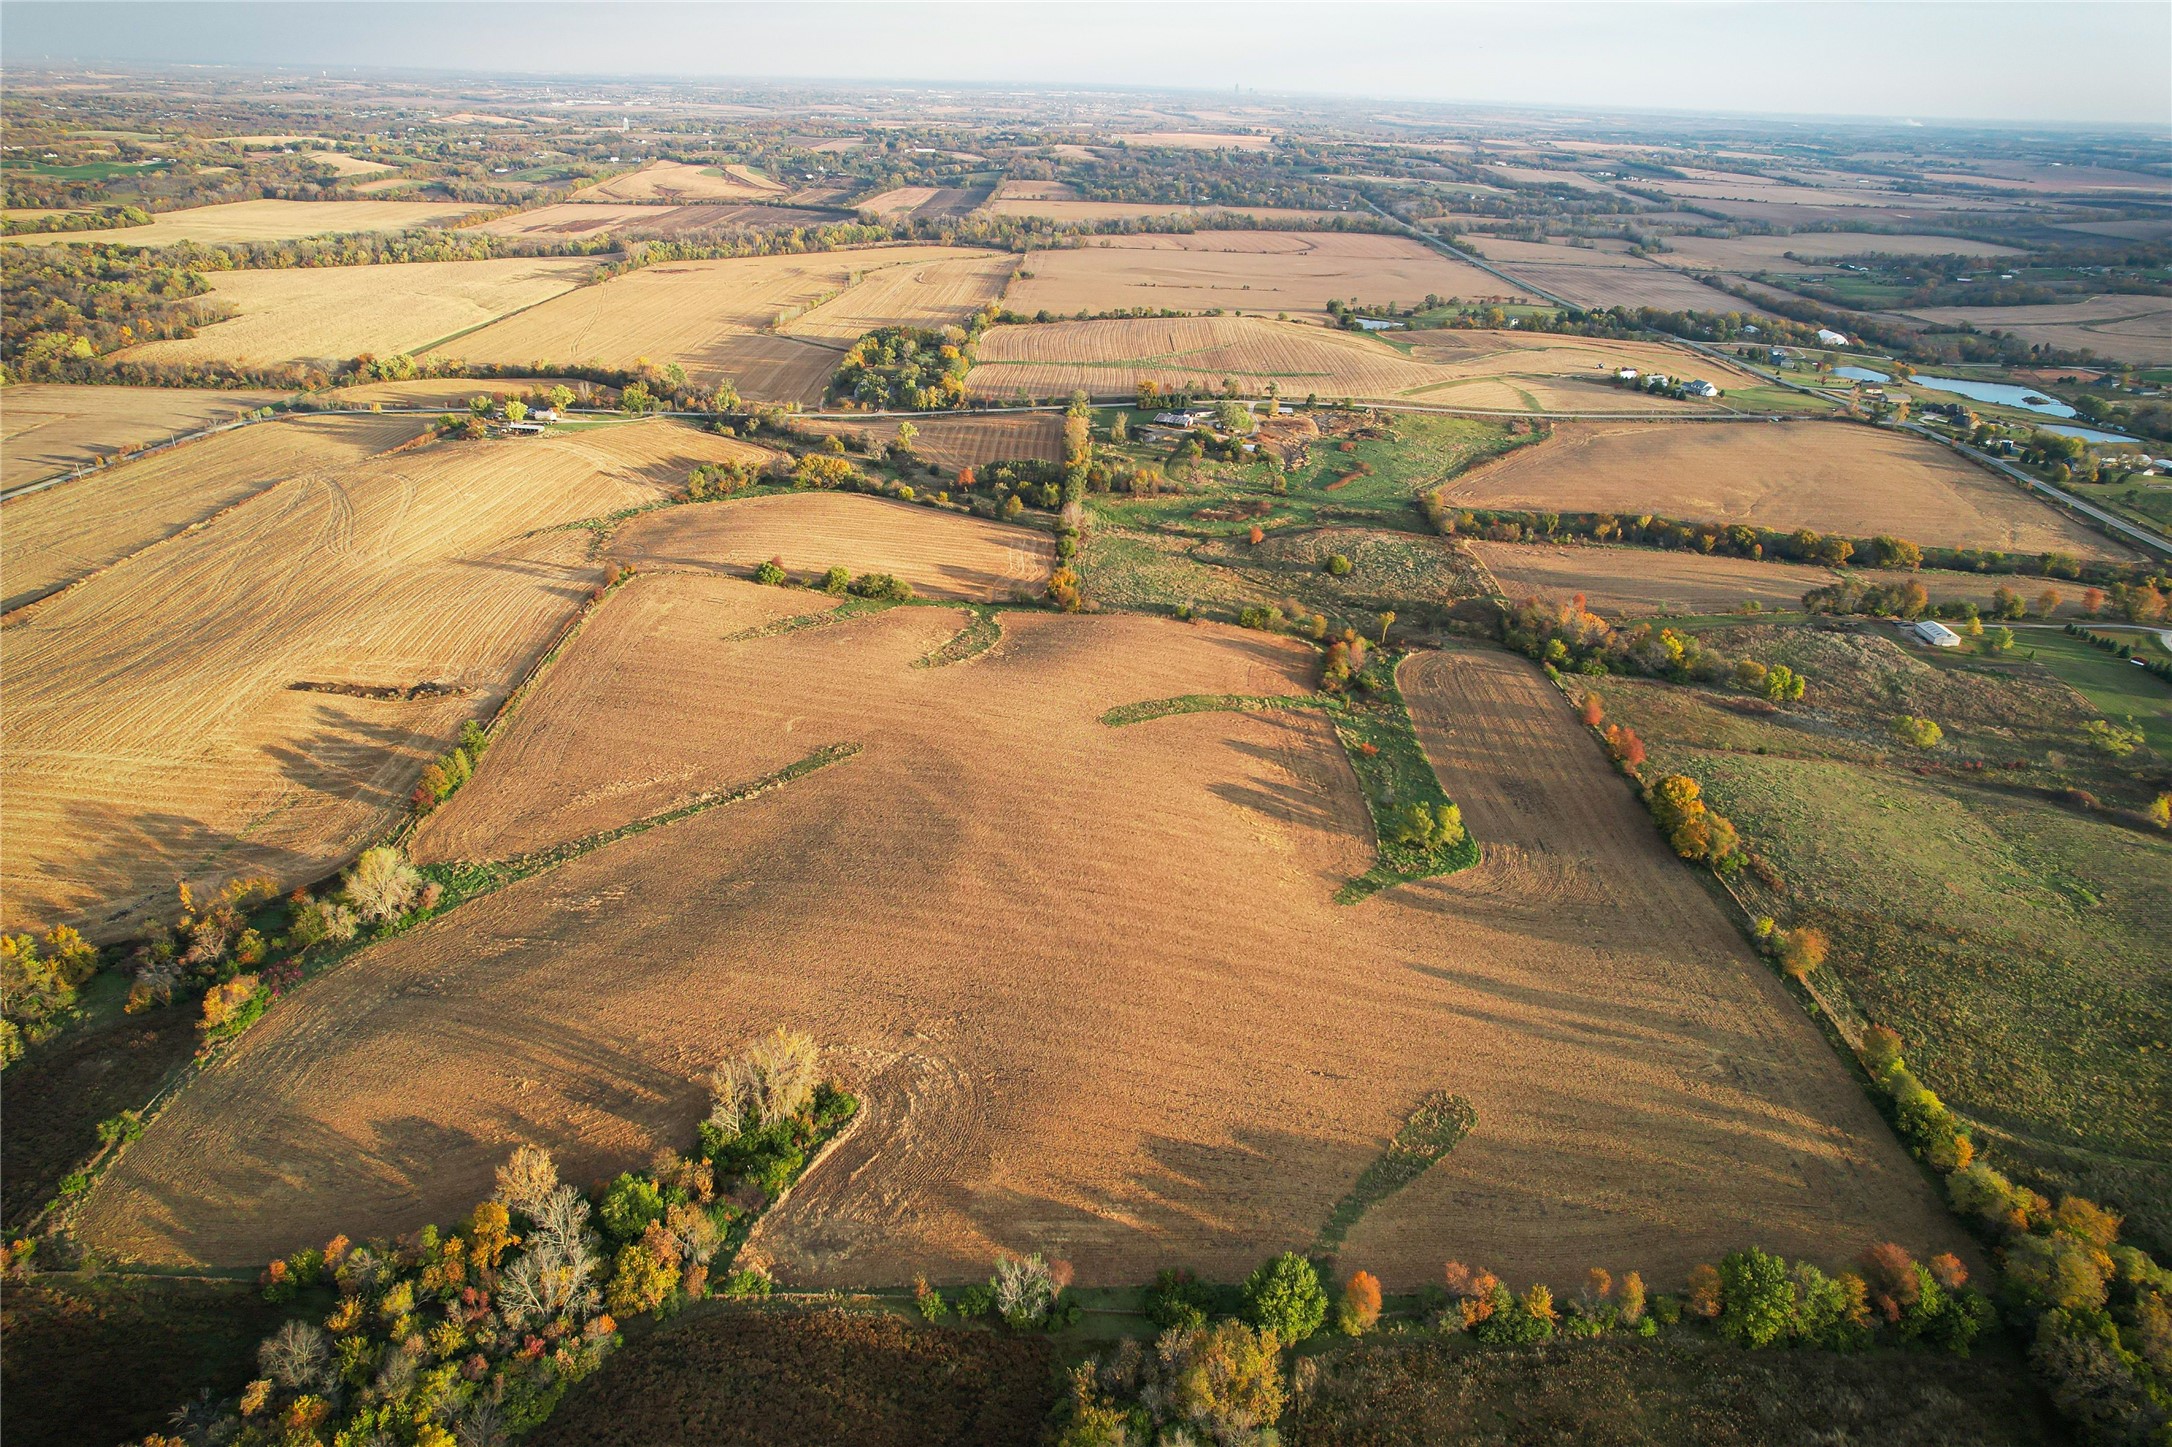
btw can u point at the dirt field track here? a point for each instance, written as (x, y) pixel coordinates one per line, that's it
(52, 427)
(1827, 476)
(941, 555)
(334, 313)
(1251, 271)
(52, 537)
(154, 733)
(715, 318)
(263, 221)
(1503, 371)
(1043, 1067)
(679, 183)
(967, 441)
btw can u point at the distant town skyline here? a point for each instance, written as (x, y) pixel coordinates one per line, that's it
(2081, 63)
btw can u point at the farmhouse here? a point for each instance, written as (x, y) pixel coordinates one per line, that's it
(1934, 633)
(1699, 388)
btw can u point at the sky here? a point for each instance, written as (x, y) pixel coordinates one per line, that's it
(2061, 61)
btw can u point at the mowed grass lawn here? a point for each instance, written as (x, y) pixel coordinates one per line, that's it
(2114, 686)
(2016, 945)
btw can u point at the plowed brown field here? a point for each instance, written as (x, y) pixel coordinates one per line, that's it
(966, 441)
(1250, 271)
(1827, 476)
(50, 428)
(941, 554)
(154, 733)
(1504, 371)
(1089, 981)
(51, 538)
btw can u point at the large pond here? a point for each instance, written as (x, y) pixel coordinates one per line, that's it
(2003, 393)
(2088, 434)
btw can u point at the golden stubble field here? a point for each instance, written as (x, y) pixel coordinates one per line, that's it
(677, 182)
(1090, 982)
(722, 319)
(51, 427)
(154, 730)
(58, 535)
(576, 220)
(332, 313)
(1603, 277)
(1827, 476)
(236, 221)
(940, 554)
(1491, 371)
(1252, 271)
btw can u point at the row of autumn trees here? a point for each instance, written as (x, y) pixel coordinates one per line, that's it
(1740, 540)
(464, 1337)
(1228, 1378)
(1570, 638)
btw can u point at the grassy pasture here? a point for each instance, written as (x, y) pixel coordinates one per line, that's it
(2009, 939)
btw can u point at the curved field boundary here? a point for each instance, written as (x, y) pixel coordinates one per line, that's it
(1384, 753)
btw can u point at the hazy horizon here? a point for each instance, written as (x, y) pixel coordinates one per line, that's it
(1952, 63)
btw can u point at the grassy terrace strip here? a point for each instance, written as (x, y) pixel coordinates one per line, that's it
(844, 612)
(465, 881)
(1437, 1126)
(1392, 769)
(980, 634)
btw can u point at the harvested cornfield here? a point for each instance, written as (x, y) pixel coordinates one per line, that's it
(923, 202)
(1590, 277)
(52, 428)
(333, 313)
(923, 294)
(1040, 1071)
(1630, 582)
(715, 318)
(58, 535)
(578, 220)
(235, 221)
(1495, 371)
(156, 729)
(453, 394)
(964, 441)
(1063, 210)
(677, 182)
(1248, 271)
(1830, 477)
(939, 554)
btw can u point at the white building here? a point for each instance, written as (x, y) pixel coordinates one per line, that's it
(1936, 634)
(1626, 374)
(1181, 419)
(1831, 338)
(1699, 388)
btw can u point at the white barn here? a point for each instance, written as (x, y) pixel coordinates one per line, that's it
(1936, 634)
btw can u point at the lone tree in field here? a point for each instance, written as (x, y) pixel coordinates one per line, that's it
(381, 885)
(1285, 1297)
(773, 1080)
(1920, 733)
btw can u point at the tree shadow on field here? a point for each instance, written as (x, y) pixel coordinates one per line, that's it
(561, 580)
(124, 866)
(366, 761)
(1215, 1207)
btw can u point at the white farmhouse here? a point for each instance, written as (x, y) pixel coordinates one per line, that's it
(1699, 388)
